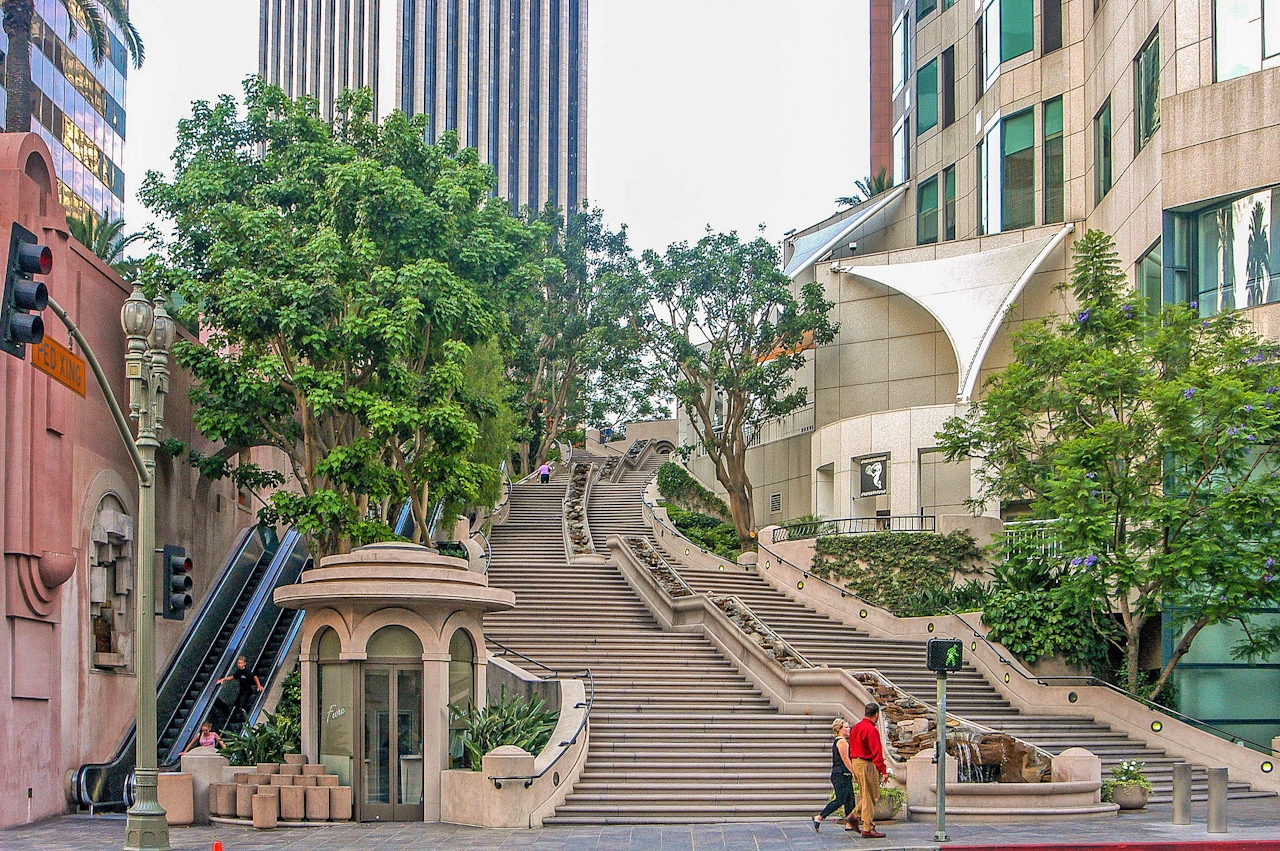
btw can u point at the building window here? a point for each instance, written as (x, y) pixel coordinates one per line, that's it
(1146, 93)
(1150, 279)
(927, 212)
(924, 7)
(1236, 257)
(1050, 26)
(1017, 28)
(1102, 152)
(947, 86)
(927, 97)
(901, 153)
(947, 4)
(990, 197)
(1246, 37)
(990, 65)
(949, 203)
(901, 48)
(979, 79)
(1054, 163)
(1018, 171)
(980, 187)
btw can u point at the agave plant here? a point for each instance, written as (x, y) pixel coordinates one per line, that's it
(516, 720)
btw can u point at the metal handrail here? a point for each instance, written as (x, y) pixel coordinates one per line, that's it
(564, 746)
(488, 550)
(1089, 679)
(855, 526)
(778, 639)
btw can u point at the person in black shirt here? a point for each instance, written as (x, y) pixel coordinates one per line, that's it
(249, 686)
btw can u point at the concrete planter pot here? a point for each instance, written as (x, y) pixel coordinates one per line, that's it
(887, 810)
(1130, 796)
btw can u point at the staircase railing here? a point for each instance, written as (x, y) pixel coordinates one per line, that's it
(586, 705)
(1090, 680)
(855, 526)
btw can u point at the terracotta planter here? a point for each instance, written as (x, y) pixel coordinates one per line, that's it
(1129, 797)
(886, 809)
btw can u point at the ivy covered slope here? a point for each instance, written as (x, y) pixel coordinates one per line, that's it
(348, 277)
(899, 570)
(1149, 440)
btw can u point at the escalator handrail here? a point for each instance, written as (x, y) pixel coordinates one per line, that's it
(262, 595)
(79, 778)
(277, 664)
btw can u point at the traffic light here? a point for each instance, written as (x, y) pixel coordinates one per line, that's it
(19, 326)
(944, 655)
(177, 583)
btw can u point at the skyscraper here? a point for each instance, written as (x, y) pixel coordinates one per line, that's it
(78, 108)
(510, 76)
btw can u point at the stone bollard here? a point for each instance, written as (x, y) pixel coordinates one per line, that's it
(305, 780)
(293, 769)
(1217, 800)
(317, 803)
(295, 759)
(175, 793)
(282, 780)
(206, 767)
(326, 779)
(218, 799)
(293, 803)
(1182, 793)
(244, 800)
(266, 812)
(313, 770)
(339, 802)
(268, 768)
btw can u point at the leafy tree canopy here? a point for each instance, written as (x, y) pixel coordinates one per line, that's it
(1150, 442)
(730, 331)
(344, 273)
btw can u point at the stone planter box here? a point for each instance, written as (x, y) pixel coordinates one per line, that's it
(1130, 796)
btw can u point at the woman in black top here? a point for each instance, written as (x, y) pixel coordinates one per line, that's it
(841, 775)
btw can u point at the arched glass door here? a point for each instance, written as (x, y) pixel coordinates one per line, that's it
(391, 747)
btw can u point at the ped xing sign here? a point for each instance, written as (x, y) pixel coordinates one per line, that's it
(944, 655)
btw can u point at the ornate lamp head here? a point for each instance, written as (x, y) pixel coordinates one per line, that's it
(163, 329)
(137, 316)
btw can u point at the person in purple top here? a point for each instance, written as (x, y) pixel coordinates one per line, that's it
(544, 473)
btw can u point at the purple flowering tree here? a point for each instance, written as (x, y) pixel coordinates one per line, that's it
(1151, 441)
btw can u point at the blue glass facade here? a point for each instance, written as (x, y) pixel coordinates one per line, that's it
(78, 109)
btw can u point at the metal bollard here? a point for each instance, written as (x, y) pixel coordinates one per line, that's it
(1217, 800)
(1182, 793)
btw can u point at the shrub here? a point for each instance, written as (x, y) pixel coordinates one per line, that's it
(678, 487)
(1051, 622)
(514, 720)
(942, 599)
(710, 533)
(1127, 773)
(890, 568)
(267, 741)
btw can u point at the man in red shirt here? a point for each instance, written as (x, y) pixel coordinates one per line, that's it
(867, 758)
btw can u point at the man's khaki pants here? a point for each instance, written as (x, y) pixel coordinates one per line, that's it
(867, 777)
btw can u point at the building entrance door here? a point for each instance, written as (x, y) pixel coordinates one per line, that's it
(392, 744)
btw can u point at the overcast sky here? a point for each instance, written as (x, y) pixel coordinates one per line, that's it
(731, 113)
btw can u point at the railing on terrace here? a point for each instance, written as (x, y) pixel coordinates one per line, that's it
(800, 421)
(1032, 535)
(855, 526)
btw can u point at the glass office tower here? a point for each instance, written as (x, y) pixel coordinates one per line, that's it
(78, 108)
(510, 76)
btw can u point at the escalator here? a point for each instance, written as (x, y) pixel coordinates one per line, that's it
(238, 619)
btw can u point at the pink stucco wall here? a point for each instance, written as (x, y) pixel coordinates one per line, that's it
(59, 456)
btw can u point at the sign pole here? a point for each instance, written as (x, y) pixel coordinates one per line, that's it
(940, 835)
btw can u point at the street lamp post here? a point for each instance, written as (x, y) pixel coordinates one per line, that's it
(150, 332)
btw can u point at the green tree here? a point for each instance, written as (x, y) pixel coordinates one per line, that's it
(868, 188)
(108, 241)
(86, 14)
(345, 273)
(723, 321)
(576, 359)
(1151, 442)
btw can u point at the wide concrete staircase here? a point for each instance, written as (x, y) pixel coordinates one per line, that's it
(678, 736)
(824, 641)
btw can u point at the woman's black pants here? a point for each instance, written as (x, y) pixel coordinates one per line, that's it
(843, 784)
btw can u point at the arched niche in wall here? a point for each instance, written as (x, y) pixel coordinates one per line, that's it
(462, 689)
(111, 575)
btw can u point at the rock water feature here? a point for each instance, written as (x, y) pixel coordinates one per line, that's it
(982, 756)
(609, 468)
(636, 449)
(657, 565)
(746, 620)
(576, 510)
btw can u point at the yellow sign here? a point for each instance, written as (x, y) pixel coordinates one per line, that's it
(59, 363)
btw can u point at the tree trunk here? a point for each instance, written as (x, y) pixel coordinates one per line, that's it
(17, 25)
(735, 481)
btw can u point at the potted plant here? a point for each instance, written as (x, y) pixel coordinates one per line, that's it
(889, 804)
(1128, 786)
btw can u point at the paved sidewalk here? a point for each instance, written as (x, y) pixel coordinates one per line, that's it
(1256, 822)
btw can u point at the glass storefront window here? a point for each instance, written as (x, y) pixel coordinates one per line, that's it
(1054, 163)
(927, 212)
(1018, 171)
(462, 663)
(1146, 93)
(336, 709)
(1236, 257)
(927, 97)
